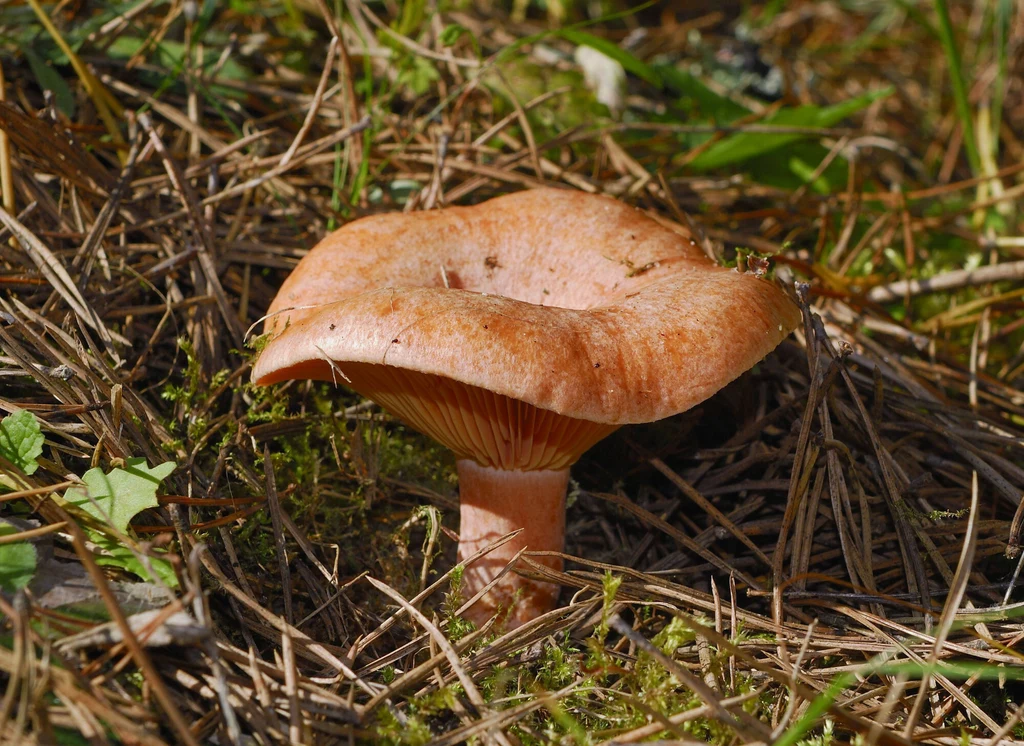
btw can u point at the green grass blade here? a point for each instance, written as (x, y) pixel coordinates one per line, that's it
(50, 80)
(1004, 14)
(815, 710)
(746, 145)
(956, 78)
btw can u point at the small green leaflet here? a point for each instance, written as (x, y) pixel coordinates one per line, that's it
(119, 496)
(115, 499)
(17, 561)
(51, 80)
(116, 554)
(21, 440)
(451, 34)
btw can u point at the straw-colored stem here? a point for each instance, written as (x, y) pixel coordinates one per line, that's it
(6, 178)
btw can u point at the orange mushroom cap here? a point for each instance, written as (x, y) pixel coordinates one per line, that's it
(573, 303)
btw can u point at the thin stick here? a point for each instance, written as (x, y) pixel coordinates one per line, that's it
(314, 107)
(953, 280)
(32, 533)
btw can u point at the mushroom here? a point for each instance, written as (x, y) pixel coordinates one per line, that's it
(518, 333)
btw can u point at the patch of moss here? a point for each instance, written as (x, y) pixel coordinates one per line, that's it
(526, 80)
(559, 666)
(409, 730)
(458, 627)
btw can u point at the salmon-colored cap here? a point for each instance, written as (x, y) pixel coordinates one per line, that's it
(574, 304)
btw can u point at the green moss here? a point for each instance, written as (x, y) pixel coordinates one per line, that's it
(411, 725)
(186, 393)
(559, 666)
(255, 545)
(598, 655)
(267, 404)
(458, 627)
(409, 730)
(825, 738)
(610, 694)
(404, 453)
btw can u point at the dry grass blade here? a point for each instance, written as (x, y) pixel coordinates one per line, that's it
(45, 142)
(274, 506)
(956, 594)
(679, 536)
(475, 698)
(200, 231)
(439, 639)
(58, 277)
(6, 172)
(108, 107)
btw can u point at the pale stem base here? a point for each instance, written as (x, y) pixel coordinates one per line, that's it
(496, 502)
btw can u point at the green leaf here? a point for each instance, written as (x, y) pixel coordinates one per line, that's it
(628, 61)
(119, 496)
(710, 105)
(418, 75)
(17, 561)
(451, 34)
(745, 145)
(21, 440)
(50, 80)
(413, 14)
(794, 165)
(958, 82)
(171, 55)
(116, 554)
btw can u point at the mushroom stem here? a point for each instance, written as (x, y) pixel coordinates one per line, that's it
(496, 502)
